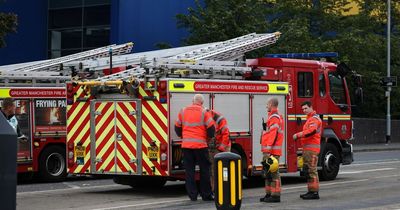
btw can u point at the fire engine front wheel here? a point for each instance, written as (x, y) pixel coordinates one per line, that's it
(52, 165)
(330, 162)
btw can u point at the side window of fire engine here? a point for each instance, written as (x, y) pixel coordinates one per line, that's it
(322, 86)
(305, 84)
(337, 91)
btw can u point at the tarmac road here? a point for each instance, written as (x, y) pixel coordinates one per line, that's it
(371, 182)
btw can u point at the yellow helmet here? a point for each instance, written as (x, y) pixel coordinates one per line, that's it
(273, 164)
(299, 161)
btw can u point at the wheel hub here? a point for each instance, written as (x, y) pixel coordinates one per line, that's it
(330, 162)
(54, 164)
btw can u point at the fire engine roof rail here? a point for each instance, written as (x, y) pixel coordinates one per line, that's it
(227, 50)
(231, 49)
(95, 53)
(124, 75)
(34, 79)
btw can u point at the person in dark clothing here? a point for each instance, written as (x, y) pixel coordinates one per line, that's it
(195, 126)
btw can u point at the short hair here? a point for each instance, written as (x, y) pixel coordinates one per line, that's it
(8, 102)
(198, 98)
(274, 102)
(308, 103)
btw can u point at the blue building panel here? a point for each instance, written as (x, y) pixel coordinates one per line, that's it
(144, 22)
(30, 41)
(148, 22)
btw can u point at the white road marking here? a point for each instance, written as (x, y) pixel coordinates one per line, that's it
(363, 171)
(326, 184)
(374, 163)
(69, 189)
(142, 204)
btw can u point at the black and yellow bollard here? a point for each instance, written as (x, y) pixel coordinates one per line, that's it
(228, 180)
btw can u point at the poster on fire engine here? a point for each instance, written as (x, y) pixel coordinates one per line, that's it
(50, 115)
(22, 113)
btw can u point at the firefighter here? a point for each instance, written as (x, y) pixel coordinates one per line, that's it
(8, 110)
(271, 146)
(222, 142)
(195, 125)
(310, 138)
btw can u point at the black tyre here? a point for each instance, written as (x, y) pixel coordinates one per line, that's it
(330, 162)
(52, 165)
(244, 163)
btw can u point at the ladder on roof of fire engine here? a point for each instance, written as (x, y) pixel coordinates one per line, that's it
(231, 49)
(227, 50)
(133, 59)
(34, 79)
(53, 64)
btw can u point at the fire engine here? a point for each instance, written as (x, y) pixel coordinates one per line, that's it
(39, 94)
(121, 125)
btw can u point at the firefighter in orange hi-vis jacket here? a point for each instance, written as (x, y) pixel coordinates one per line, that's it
(271, 146)
(222, 141)
(195, 126)
(310, 138)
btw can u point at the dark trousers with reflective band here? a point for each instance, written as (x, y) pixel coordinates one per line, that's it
(310, 159)
(201, 157)
(273, 180)
(213, 152)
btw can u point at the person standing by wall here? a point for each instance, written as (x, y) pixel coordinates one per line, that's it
(310, 138)
(271, 146)
(195, 125)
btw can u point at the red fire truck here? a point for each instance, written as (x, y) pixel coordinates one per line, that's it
(38, 89)
(41, 115)
(122, 125)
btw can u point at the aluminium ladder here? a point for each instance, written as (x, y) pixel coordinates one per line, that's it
(224, 51)
(53, 64)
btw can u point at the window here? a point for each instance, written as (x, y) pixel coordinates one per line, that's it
(305, 84)
(322, 86)
(337, 90)
(77, 25)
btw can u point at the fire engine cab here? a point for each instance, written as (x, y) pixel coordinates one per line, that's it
(121, 125)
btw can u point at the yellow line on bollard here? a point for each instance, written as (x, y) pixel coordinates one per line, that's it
(220, 184)
(233, 180)
(240, 178)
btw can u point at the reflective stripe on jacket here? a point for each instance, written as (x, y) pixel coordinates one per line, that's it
(221, 131)
(271, 141)
(312, 130)
(194, 121)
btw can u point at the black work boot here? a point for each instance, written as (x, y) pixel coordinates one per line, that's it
(310, 196)
(302, 195)
(263, 199)
(273, 199)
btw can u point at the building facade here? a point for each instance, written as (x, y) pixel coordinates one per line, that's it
(54, 28)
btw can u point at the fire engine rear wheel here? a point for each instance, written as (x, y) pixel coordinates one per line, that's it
(330, 162)
(52, 165)
(244, 163)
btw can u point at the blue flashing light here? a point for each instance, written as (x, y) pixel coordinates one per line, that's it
(304, 55)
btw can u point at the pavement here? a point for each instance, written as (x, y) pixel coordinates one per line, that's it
(376, 147)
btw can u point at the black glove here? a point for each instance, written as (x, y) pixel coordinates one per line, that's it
(211, 143)
(264, 125)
